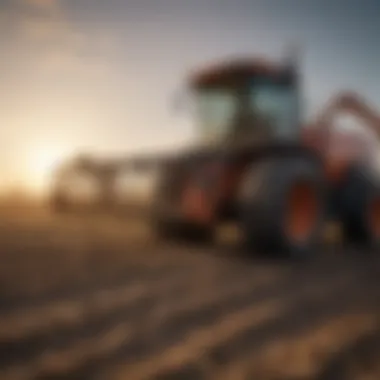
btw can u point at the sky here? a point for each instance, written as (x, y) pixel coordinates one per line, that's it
(99, 76)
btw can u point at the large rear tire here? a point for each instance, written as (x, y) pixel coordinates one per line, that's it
(282, 206)
(360, 208)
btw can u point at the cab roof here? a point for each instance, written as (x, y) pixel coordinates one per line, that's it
(236, 68)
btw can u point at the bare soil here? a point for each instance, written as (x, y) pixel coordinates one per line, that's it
(98, 298)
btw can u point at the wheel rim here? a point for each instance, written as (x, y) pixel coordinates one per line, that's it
(302, 211)
(374, 216)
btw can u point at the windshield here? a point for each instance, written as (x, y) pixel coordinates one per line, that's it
(277, 106)
(215, 110)
(270, 109)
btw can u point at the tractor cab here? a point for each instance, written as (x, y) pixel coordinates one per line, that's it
(246, 101)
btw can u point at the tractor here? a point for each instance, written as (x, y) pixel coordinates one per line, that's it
(260, 167)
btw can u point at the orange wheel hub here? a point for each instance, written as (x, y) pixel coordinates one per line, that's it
(302, 211)
(374, 216)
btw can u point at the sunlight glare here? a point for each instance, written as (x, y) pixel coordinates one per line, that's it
(41, 165)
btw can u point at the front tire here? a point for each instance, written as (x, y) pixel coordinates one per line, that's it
(169, 227)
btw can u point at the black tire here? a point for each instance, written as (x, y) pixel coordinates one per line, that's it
(167, 227)
(360, 188)
(263, 202)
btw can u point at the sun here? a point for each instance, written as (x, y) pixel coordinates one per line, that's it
(41, 164)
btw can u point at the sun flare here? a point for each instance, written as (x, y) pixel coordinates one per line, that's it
(41, 164)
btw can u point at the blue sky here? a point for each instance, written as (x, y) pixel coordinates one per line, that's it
(99, 75)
